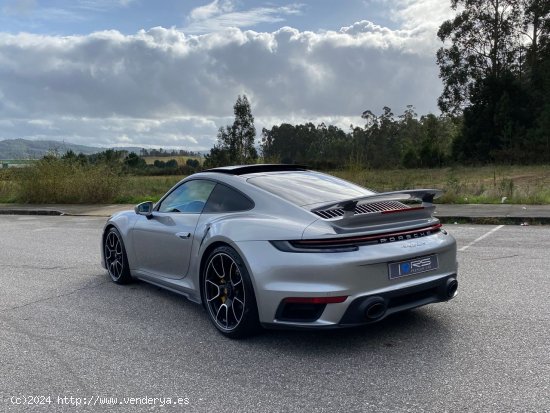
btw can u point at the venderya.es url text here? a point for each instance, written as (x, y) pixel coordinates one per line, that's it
(94, 400)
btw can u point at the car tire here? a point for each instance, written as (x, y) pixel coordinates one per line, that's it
(116, 260)
(228, 294)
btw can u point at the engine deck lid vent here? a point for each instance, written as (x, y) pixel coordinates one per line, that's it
(361, 209)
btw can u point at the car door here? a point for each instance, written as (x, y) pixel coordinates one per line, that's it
(163, 242)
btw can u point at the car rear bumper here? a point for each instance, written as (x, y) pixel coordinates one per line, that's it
(442, 289)
(389, 302)
(359, 278)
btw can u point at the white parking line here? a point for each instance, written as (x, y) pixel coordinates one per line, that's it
(480, 238)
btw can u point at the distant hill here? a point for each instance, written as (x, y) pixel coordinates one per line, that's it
(27, 149)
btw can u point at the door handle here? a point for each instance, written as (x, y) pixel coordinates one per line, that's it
(183, 235)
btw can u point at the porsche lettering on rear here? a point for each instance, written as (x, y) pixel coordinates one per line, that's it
(415, 235)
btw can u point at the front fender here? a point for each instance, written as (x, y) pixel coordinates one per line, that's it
(123, 222)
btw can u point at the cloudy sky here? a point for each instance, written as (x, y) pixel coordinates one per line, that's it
(167, 72)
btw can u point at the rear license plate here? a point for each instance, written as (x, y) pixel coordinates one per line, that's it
(414, 266)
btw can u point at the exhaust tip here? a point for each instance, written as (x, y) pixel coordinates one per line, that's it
(375, 309)
(452, 287)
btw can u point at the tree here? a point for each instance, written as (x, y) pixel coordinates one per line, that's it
(279, 144)
(494, 66)
(235, 144)
(536, 27)
(172, 163)
(538, 63)
(243, 133)
(193, 163)
(220, 153)
(132, 160)
(484, 43)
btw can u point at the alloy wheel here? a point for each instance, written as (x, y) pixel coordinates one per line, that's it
(224, 291)
(114, 256)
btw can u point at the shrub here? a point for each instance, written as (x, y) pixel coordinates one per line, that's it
(53, 180)
(134, 161)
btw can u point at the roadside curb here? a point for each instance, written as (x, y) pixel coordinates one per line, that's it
(53, 212)
(445, 219)
(84, 210)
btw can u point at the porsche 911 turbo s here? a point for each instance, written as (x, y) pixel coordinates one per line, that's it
(284, 246)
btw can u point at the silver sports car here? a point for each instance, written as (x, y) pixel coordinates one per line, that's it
(284, 246)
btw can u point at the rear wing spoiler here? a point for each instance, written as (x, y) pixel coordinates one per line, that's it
(425, 195)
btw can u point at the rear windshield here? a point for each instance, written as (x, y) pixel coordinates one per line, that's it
(307, 188)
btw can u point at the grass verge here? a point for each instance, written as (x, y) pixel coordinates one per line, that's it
(464, 185)
(54, 181)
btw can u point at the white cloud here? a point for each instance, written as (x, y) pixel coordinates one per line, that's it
(221, 14)
(423, 17)
(167, 87)
(209, 10)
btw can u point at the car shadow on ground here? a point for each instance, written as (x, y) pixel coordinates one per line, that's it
(426, 326)
(419, 325)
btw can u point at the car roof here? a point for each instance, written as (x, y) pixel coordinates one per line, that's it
(256, 168)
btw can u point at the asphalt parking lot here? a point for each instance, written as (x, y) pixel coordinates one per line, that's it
(67, 331)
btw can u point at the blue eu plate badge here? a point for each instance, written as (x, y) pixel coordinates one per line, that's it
(413, 266)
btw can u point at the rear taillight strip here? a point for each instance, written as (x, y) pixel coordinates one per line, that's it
(384, 237)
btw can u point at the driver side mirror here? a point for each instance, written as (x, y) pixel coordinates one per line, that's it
(145, 208)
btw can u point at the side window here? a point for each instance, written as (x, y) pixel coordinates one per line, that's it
(189, 197)
(226, 199)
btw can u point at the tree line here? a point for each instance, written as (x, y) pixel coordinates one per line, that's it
(385, 141)
(124, 162)
(160, 152)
